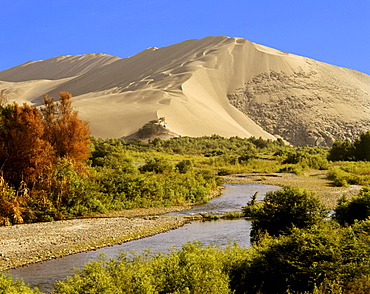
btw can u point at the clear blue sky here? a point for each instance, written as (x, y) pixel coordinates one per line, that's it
(336, 32)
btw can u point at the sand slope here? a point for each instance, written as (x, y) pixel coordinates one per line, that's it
(216, 85)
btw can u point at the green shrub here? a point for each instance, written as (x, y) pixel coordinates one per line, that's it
(350, 173)
(321, 259)
(17, 286)
(342, 150)
(192, 269)
(284, 209)
(338, 176)
(156, 165)
(185, 166)
(307, 160)
(346, 150)
(293, 169)
(356, 209)
(252, 207)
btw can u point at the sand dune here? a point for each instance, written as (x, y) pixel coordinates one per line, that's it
(216, 85)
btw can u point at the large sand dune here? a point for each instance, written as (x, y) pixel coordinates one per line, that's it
(216, 85)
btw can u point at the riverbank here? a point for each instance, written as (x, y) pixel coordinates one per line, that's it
(29, 243)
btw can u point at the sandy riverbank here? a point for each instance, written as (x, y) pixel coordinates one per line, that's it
(28, 243)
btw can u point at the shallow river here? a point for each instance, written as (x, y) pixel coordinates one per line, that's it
(44, 274)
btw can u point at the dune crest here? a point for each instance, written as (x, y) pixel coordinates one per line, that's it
(216, 85)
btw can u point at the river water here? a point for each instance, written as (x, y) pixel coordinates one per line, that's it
(44, 274)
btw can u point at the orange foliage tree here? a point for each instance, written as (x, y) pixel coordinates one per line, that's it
(68, 135)
(24, 154)
(31, 144)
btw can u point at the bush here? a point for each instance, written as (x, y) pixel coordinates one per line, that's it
(322, 259)
(191, 270)
(307, 160)
(185, 166)
(293, 169)
(347, 151)
(339, 177)
(342, 150)
(8, 286)
(356, 209)
(284, 209)
(157, 165)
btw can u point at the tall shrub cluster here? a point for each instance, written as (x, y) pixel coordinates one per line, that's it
(157, 182)
(359, 150)
(283, 210)
(67, 134)
(32, 143)
(349, 211)
(24, 152)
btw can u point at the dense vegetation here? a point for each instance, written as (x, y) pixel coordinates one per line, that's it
(52, 169)
(8, 285)
(306, 253)
(347, 150)
(35, 146)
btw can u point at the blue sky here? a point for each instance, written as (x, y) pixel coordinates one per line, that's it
(336, 32)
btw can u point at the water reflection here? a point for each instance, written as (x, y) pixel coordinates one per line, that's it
(233, 198)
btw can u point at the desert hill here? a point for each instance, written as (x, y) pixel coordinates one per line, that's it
(216, 85)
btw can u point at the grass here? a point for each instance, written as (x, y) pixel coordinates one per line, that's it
(314, 180)
(229, 216)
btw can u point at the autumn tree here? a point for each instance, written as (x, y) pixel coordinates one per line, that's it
(68, 135)
(24, 154)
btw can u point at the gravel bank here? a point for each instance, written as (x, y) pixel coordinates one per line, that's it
(28, 243)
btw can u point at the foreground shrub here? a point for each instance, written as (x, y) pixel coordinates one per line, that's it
(193, 269)
(356, 209)
(8, 286)
(322, 259)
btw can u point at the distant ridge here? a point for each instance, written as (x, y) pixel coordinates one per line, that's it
(216, 85)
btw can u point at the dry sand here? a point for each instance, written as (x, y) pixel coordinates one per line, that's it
(190, 84)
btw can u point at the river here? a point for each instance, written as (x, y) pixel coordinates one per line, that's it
(44, 274)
